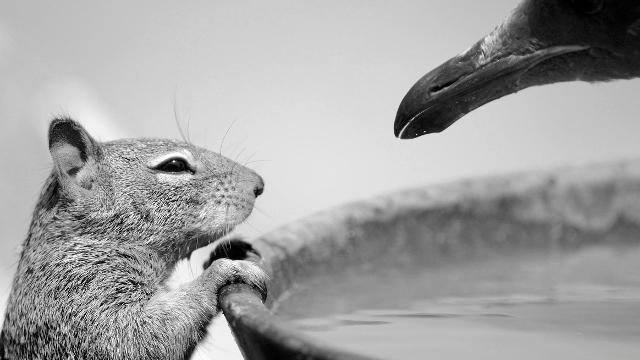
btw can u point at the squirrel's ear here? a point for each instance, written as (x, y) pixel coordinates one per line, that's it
(74, 154)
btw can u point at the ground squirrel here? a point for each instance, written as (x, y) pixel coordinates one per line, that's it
(111, 222)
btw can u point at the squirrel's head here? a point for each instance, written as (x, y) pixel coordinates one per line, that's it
(169, 194)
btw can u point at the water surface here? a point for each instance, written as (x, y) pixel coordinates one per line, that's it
(582, 305)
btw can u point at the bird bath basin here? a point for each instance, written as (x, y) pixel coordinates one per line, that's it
(525, 266)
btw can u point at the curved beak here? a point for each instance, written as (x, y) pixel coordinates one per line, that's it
(506, 61)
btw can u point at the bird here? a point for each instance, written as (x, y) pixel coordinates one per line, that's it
(540, 42)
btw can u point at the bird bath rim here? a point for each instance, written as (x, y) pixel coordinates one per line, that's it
(588, 200)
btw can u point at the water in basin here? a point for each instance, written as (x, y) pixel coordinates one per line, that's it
(584, 304)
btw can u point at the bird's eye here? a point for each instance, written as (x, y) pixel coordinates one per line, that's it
(588, 7)
(174, 165)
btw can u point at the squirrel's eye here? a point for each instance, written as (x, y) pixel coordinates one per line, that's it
(174, 165)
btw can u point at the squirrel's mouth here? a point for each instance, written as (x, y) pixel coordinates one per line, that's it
(199, 241)
(214, 224)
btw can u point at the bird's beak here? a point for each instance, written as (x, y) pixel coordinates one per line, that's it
(505, 61)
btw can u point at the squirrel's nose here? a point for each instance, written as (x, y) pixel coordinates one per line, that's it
(259, 188)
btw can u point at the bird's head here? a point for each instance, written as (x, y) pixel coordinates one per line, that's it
(540, 42)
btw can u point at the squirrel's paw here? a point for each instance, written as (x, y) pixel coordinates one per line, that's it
(226, 272)
(234, 249)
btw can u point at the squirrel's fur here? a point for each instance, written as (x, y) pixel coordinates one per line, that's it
(106, 233)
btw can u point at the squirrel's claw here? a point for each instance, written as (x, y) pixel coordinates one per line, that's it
(234, 249)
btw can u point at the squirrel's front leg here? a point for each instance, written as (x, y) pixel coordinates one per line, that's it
(180, 317)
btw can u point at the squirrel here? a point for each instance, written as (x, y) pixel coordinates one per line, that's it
(112, 220)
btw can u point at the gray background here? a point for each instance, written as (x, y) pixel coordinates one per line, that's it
(307, 89)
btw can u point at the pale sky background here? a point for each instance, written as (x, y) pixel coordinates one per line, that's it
(311, 88)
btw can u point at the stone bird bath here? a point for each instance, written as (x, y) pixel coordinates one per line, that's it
(476, 252)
